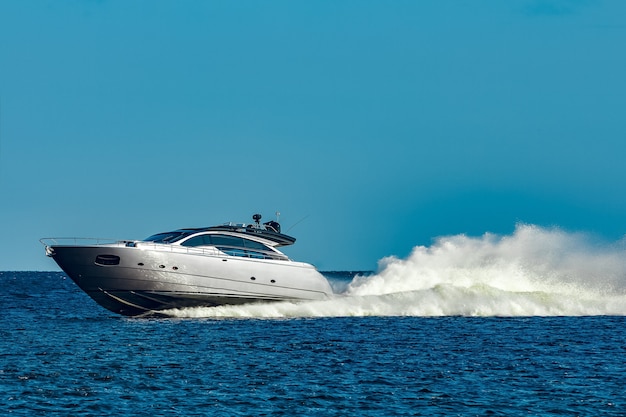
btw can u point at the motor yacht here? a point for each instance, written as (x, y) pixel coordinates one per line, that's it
(232, 263)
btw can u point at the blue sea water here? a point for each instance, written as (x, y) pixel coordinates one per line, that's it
(61, 354)
(531, 324)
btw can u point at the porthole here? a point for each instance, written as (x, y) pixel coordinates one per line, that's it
(161, 266)
(273, 281)
(107, 260)
(175, 268)
(140, 264)
(252, 278)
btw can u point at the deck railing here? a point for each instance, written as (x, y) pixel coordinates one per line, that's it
(79, 241)
(224, 251)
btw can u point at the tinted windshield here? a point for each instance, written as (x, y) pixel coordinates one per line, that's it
(168, 237)
(215, 240)
(235, 246)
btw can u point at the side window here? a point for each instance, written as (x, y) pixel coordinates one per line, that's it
(234, 251)
(251, 244)
(234, 246)
(256, 255)
(202, 240)
(222, 240)
(194, 241)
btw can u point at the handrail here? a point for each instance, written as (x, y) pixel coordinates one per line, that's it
(164, 247)
(210, 250)
(49, 241)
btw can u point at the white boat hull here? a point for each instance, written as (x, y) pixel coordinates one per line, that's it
(146, 278)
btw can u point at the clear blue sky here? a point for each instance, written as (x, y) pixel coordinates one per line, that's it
(374, 125)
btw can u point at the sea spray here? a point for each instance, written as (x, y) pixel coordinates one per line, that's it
(531, 259)
(533, 272)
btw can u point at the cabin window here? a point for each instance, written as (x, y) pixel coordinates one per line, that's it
(251, 244)
(215, 240)
(234, 246)
(223, 240)
(196, 241)
(168, 237)
(220, 241)
(107, 260)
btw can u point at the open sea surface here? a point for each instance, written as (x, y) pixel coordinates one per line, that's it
(531, 324)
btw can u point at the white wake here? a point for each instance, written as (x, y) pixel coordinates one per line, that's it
(533, 272)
